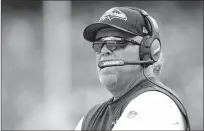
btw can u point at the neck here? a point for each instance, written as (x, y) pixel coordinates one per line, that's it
(123, 88)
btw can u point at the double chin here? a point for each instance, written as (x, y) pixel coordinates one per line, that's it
(109, 81)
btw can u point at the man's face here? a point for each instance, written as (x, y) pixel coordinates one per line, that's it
(110, 76)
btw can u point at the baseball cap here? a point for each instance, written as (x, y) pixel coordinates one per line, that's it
(122, 18)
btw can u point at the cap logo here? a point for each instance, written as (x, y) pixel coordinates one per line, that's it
(112, 14)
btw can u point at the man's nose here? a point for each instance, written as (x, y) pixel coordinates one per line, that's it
(105, 51)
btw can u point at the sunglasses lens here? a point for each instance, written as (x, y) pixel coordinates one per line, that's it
(111, 45)
(97, 46)
(115, 45)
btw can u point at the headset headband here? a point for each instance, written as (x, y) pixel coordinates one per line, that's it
(150, 23)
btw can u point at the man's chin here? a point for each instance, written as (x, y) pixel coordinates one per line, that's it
(108, 80)
(107, 70)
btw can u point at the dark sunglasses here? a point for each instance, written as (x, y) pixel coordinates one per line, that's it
(112, 44)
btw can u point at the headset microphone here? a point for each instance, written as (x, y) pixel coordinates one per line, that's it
(119, 62)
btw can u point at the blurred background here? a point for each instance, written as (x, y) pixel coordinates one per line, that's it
(49, 78)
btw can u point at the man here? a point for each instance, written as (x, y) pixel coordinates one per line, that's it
(127, 45)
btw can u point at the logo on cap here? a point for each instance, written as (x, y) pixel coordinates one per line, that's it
(113, 13)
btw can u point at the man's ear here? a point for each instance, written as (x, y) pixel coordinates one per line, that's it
(137, 39)
(157, 67)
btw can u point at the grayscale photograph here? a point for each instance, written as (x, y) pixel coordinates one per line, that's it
(101, 65)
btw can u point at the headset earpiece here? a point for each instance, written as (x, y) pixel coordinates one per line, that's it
(149, 49)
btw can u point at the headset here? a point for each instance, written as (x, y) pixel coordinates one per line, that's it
(149, 50)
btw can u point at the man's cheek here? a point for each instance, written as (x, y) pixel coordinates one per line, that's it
(97, 60)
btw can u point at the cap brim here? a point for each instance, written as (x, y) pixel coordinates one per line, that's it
(91, 30)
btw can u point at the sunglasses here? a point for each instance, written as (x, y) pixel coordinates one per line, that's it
(112, 44)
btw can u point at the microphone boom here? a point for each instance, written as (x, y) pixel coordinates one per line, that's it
(118, 62)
